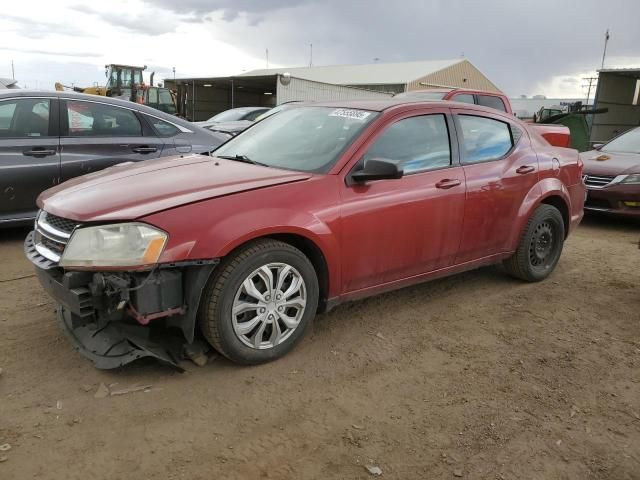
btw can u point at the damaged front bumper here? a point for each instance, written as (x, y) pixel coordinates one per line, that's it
(114, 318)
(117, 343)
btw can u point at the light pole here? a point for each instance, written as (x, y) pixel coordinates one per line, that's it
(604, 52)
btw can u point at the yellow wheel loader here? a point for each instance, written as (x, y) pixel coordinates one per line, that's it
(126, 82)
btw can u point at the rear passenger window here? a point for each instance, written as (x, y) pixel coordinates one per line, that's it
(90, 119)
(463, 98)
(415, 144)
(164, 129)
(492, 102)
(26, 117)
(6, 115)
(484, 139)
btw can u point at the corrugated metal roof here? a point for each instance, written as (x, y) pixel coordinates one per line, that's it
(620, 70)
(366, 74)
(8, 83)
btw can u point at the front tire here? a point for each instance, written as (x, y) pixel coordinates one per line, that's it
(540, 247)
(259, 302)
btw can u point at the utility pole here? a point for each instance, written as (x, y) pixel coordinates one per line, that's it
(604, 52)
(266, 52)
(13, 73)
(311, 54)
(591, 81)
(174, 73)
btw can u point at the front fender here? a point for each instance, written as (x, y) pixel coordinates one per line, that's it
(304, 225)
(214, 228)
(545, 188)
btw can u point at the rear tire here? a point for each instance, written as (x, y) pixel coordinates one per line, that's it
(540, 246)
(259, 302)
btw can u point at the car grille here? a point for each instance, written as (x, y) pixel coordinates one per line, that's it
(597, 181)
(46, 244)
(63, 224)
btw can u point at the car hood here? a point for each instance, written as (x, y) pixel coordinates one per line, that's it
(617, 163)
(209, 123)
(129, 191)
(231, 127)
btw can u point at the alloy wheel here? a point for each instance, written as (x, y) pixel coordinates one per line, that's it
(269, 305)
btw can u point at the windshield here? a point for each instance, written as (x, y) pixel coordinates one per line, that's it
(628, 142)
(279, 108)
(308, 139)
(232, 115)
(422, 95)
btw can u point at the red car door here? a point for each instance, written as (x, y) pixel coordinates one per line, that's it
(500, 168)
(395, 229)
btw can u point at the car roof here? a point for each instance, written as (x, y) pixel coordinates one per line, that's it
(439, 89)
(455, 89)
(246, 109)
(380, 105)
(94, 98)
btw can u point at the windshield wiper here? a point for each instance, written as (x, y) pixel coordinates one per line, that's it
(242, 158)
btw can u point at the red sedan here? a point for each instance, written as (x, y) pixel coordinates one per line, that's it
(307, 209)
(612, 176)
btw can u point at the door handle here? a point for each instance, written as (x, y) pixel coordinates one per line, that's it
(448, 183)
(525, 169)
(39, 152)
(144, 149)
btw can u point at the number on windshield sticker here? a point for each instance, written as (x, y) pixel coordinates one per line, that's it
(346, 113)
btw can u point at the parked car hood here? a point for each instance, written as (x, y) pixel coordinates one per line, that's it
(610, 163)
(231, 127)
(129, 191)
(208, 124)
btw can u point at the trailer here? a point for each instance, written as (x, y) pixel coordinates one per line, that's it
(618, 91)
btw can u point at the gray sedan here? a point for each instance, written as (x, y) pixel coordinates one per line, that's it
(49, 137)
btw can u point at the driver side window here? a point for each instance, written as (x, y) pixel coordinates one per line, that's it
(415, 144)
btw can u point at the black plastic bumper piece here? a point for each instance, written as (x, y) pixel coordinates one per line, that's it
(105, 333)
(117, 343)
(74, 295)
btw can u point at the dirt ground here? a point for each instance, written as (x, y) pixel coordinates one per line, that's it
(475, 376)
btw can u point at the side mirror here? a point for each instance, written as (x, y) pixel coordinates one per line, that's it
(376, 169)
(597, 146)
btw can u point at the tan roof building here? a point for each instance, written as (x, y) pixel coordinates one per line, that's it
(391, 77)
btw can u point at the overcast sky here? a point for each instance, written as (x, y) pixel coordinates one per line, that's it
(525, 47)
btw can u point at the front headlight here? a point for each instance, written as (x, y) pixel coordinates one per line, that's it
(632, 179)
(117, 245)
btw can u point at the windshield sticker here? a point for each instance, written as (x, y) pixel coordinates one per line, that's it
(346, 113)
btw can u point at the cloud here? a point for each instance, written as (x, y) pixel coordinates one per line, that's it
(51, 52)
(145, 23)
(38, 29)
(44, 72)
(76, 42)
(232, 8)
(254, 12)
(514, 43)
(523, 47)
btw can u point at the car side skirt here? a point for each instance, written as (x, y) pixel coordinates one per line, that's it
(405, 282)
